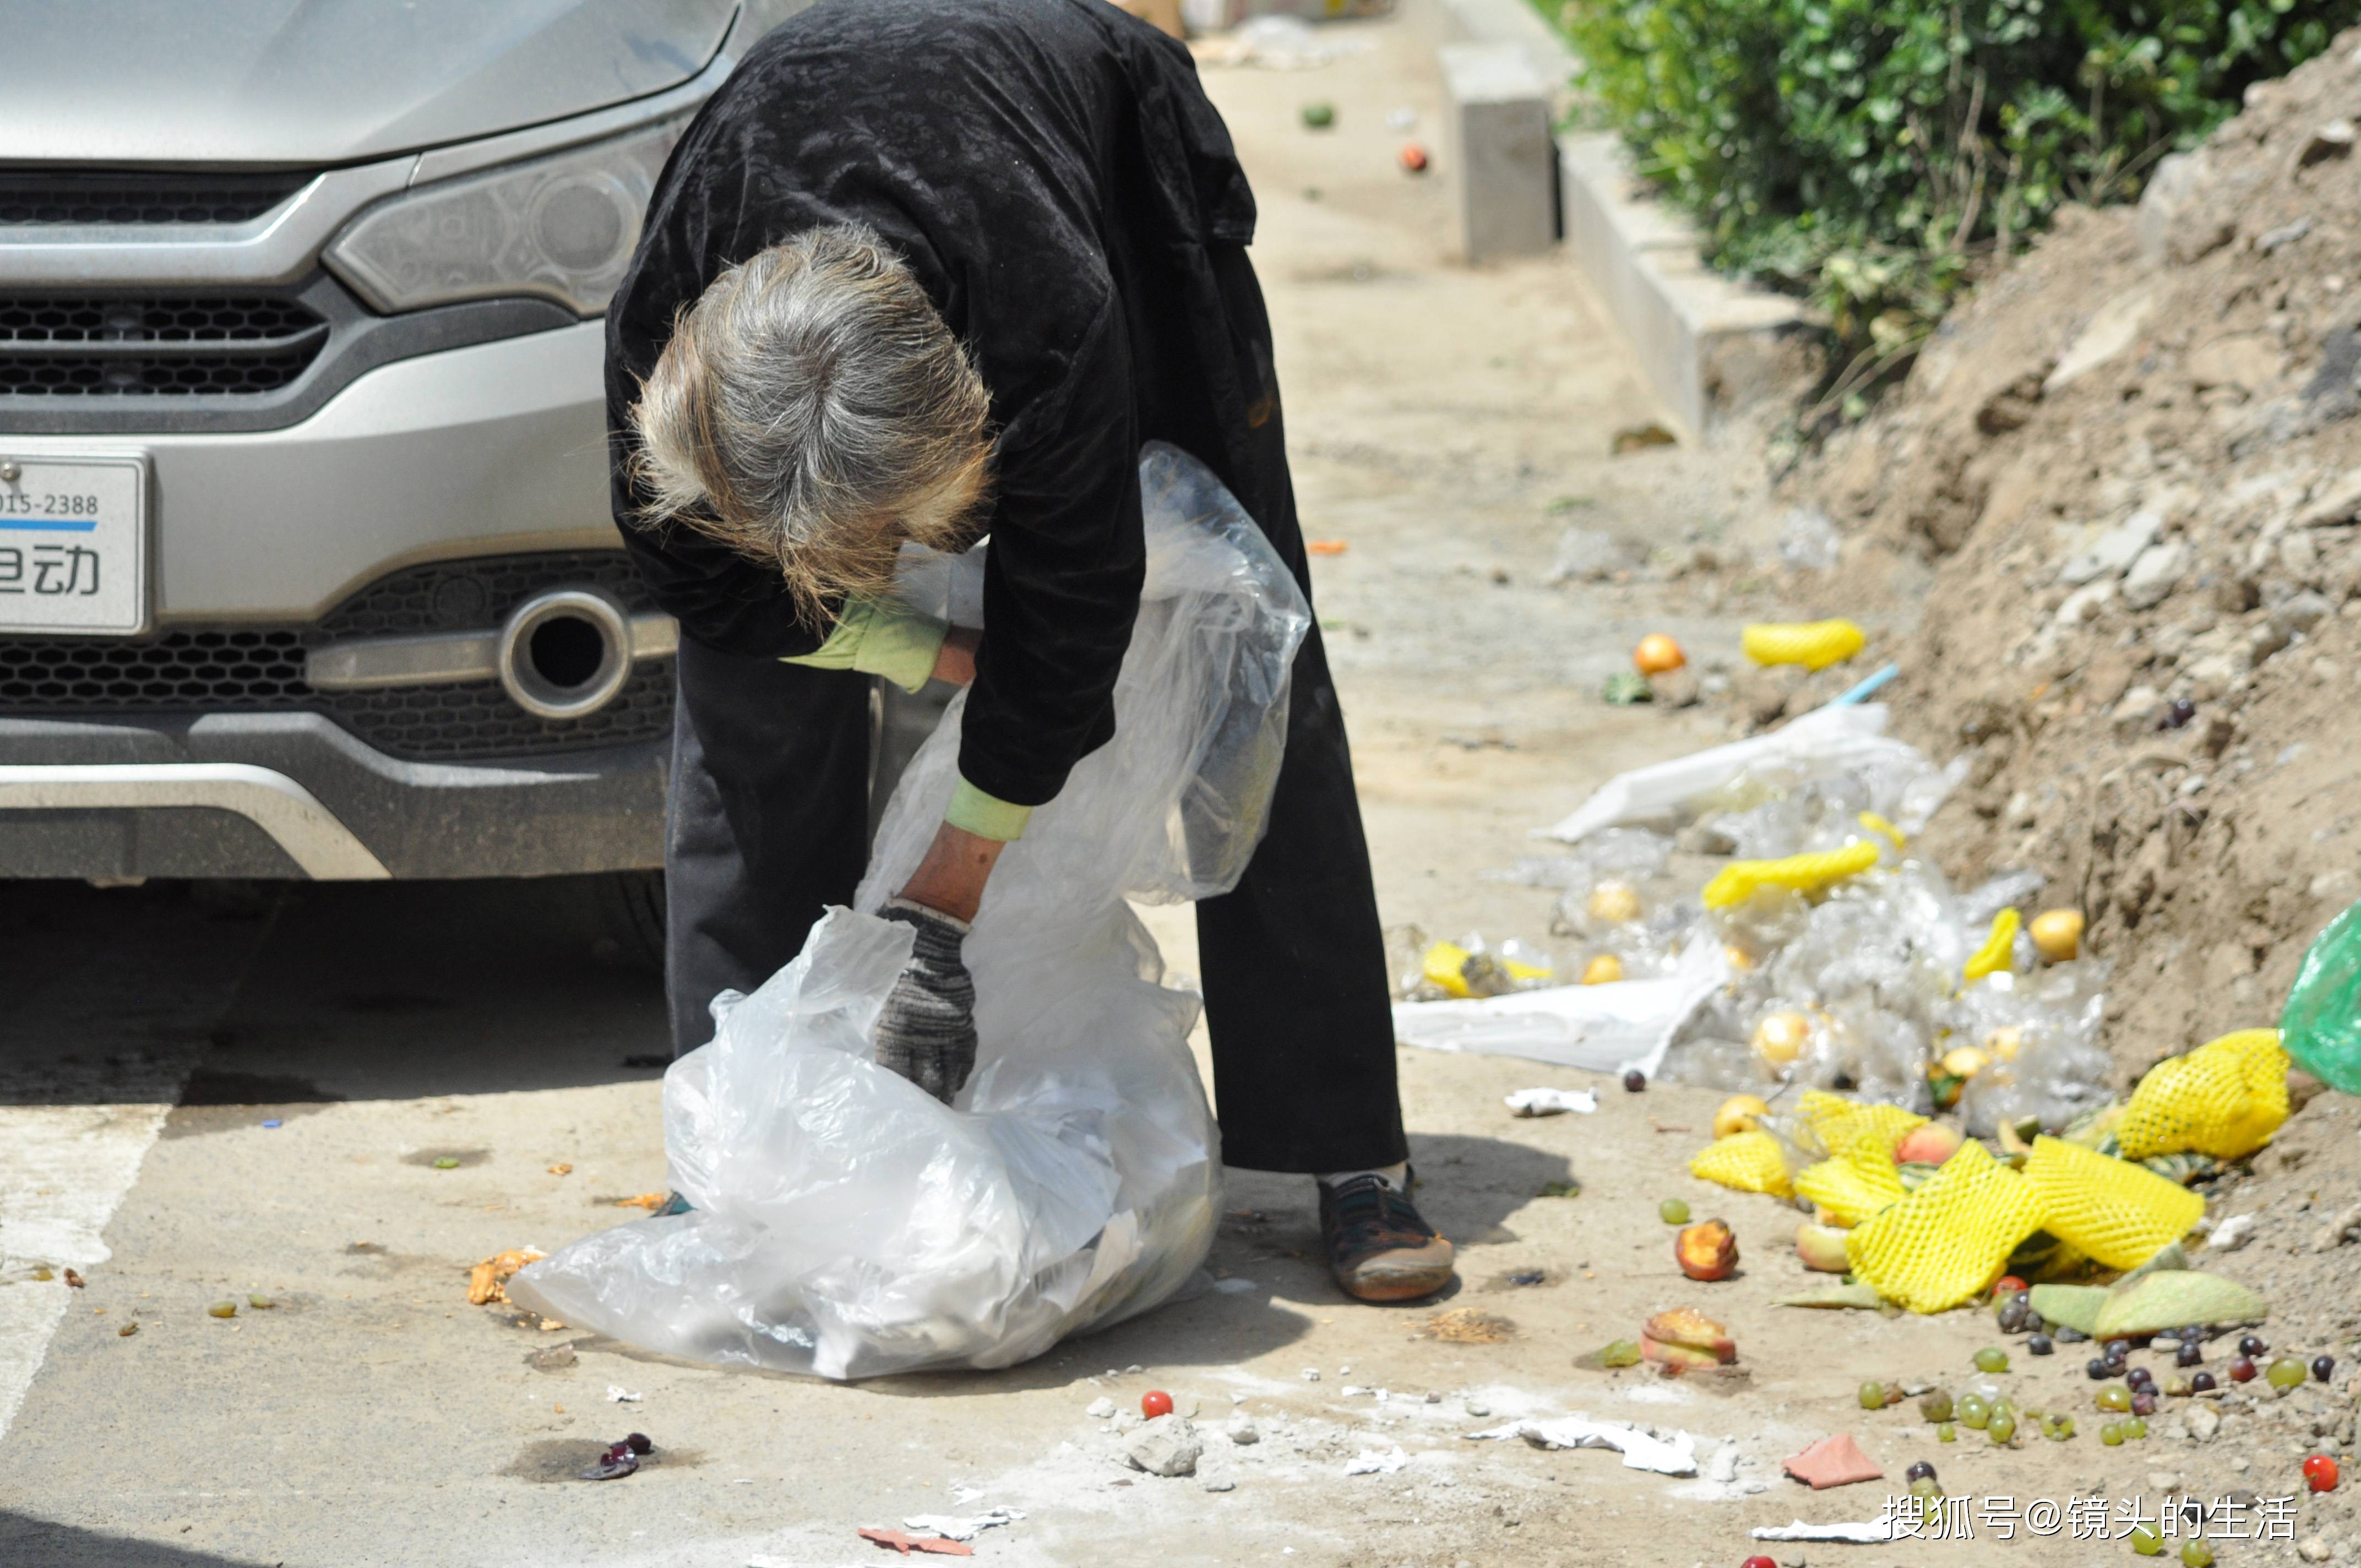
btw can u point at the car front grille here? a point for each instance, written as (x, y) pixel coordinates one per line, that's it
(189, 670)
(76, 345)
(81, 197)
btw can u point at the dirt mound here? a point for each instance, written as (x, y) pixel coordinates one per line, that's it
(2133, 464)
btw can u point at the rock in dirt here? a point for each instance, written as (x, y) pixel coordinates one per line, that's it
(2151, 578)
(1168, 1446)
(1101, 1409)
(2204, 1422)
(1244, 1433)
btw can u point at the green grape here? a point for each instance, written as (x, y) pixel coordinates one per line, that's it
(2146, 1542)
(1973, 1411)
(2136, 1429)
(2000, 1428)
(2058, 1429)
(1673, 1212)
(2287, 1372)
(2111, 1434)
(1992, 1358)
(1873, 1396)
(222, 1309)
(1926, 1486)
(1934, 1405)
(2114, 1396)
(1943, 1433)
(2196, 1554)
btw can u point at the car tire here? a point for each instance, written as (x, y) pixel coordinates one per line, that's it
(627, 911)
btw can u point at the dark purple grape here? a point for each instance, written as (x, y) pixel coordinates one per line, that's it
(2096, 1369)
(2190, 1354)
(1920, 1470)
(638, 1444)
(2039, 1345)
(2252, 1344)
(1634, 1081)
(2322, 1366)
(2143, 1401)
(2177, 714)
(2242, 1369)
(2201, 1383)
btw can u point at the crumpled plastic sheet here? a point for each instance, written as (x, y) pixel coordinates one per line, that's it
(1604, 1028)
(1830, 741)
(845, 1224)
(1863, 1532)
(1666, 1452)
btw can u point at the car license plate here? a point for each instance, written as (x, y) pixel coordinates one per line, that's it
(73, 543)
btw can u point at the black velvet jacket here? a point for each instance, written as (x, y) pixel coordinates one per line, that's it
(1055, 177)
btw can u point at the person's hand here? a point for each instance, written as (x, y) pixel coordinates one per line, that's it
(927, 1029)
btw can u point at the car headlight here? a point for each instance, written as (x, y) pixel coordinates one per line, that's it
(562, 227)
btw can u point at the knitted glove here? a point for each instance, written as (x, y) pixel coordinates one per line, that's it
(927, 1029)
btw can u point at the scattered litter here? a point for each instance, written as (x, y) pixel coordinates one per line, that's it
(1639, 438)
(648, 1061)
(1685, 1339)
(1472, 967)
(1412, 158)
(907, 1544)
(1318, 115)
(73, 1281)
(1369, 1461)
(1224, 1485)
(447, 1162)
(222, 1309)
(1672, 1452)
(1657, 655)
(651, 1201)
(488, 1281)
(259, 1302)
(561, 1169)
(272, 1123)
(1236, 1285)
(551, 1358)
(620, 1459)
(1552, 1102)
(1467, 1325)
(1327, 546)
(1400, 119)
(1867, 1533)
(1706, 1251)
(1625, 688)
(1601, 1028)
(618, 1395)
(966, 1526)
(2318, 1026)
(1835, 1461)
(126, 1330)
(1814, 644)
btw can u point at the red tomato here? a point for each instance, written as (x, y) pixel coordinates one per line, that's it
(2319, 1470)
(1758, 1561)
(2006, 1286)
(1154, 1403)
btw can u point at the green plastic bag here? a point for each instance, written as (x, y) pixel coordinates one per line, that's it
(2321, 1025)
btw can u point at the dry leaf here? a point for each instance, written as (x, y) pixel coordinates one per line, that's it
(1467, 1325)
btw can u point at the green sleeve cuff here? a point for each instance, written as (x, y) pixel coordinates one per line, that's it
(986, 816)
(882, 637)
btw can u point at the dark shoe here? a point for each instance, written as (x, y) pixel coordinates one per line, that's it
(1379, 1246)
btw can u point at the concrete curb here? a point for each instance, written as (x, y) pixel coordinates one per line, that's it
(1707, 344)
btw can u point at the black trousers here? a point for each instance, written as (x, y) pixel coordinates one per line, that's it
(768, 826)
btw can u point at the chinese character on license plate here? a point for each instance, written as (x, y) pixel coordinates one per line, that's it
(73, 543)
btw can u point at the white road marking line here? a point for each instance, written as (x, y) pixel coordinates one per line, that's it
(64, 1169)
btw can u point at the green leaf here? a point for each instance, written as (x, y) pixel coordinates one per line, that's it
(2169, 1299)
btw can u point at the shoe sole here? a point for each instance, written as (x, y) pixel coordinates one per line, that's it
(1396, 1284)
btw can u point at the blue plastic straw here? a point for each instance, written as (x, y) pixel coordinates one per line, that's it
(1867, 688)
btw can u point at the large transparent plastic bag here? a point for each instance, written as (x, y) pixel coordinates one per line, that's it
(845, 1224)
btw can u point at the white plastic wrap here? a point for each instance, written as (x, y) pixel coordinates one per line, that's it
(845, 1224)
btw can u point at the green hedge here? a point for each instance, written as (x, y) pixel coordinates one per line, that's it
(1872, 153)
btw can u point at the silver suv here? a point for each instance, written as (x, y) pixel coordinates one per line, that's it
(306, 568)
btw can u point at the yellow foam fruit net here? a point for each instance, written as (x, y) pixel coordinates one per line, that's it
(1876, 824)
(1739, 881)
(1815, 644)
(1842, 1125)
(1997, 956)
(1950, 1239)
(1852, 1186)
(1750, 1162)
(2225, 1097)
(1445, 964)
(2116, 1212)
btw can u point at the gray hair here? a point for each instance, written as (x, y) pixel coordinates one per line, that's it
(813, 410)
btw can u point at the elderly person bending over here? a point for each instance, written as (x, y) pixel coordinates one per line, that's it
(924, 272)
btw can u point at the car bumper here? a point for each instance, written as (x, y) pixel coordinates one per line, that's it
(293, 796)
